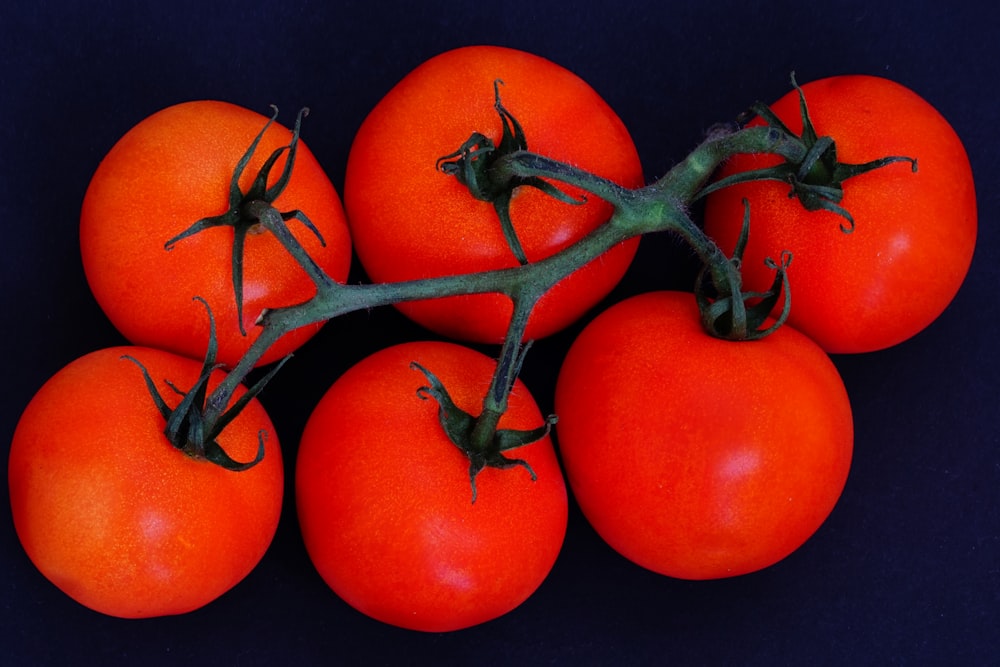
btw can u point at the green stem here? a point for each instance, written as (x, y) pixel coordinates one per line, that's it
(688, 177)
(508, 368)
(658, 207)
(264, 213)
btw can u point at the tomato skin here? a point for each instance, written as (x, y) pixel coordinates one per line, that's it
(173, 169)
(695, 457)
(385, 503)
(408, 220)
(115, 516)
(915, 233)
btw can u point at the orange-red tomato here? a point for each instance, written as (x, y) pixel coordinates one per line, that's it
(173, 169)
(409, 220)
(696, 457)
(117, 517)
(914, 233)
(385, 502)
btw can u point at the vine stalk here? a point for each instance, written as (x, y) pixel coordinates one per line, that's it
(660, 206)
(491, 172)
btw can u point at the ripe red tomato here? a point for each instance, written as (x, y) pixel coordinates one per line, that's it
(408, 220)
(117, 517)
(385, 502)
(171, 170)
(914, 233)
(696, 457)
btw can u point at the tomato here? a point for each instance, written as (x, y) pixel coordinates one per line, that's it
(697, 457)
(117, 517)
(914, 233)
(408, 220)
(385, 502)
(171, 170)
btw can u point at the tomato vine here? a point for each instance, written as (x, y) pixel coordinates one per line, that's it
(492, 171)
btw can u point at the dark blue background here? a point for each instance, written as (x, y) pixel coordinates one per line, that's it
(905, 571)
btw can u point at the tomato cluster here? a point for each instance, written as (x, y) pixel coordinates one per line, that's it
(692, 456)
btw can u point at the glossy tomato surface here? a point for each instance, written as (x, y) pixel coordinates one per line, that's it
(385, 502)
(696, 457)
(914, 233)
(409, 220)
(171, 170)
(114, 515)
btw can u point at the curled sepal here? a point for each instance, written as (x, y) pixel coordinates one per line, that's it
(816, 176)
(186, 427)
(242, 212)
(474, 165)
(459, 426)
(729, 312)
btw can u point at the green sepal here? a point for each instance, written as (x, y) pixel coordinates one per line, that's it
(237, 213)
(817, 177)
(186, 428)
(473, 165)
(718, 303)
(459, 425)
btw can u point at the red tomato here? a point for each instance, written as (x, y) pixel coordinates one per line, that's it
(696, 457)
(914, 233)
(408, 220)
(171, 170)
(117, 517)
(385, 501)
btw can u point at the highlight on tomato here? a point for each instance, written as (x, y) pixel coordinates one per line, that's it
(168, 216)
(697, 457)
(883, 258)
(119, 517)
(385, 505)
(409, 220)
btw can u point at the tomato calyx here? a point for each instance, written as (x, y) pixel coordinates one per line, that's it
(243, 210)
(730, 313)
(467, 432)
(187, 428)
(477, 165)
(816, 177)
